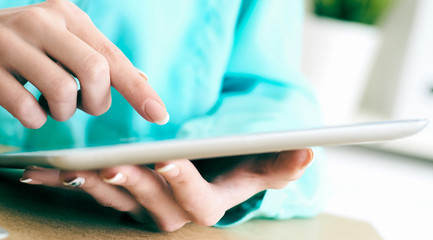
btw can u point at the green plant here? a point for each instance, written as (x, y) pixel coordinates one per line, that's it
(362, 11)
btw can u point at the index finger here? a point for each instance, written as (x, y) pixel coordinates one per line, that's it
(124, 77)
(137, 91)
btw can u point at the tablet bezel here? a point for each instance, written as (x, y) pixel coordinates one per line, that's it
(193, 149)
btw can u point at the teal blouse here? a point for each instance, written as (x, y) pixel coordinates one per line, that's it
(220, 66)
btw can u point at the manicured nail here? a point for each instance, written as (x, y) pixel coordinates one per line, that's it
(143, 75)
(114, 179)
(164, 121)
(26, 180)
(156, 112)
(310, 161)
(76, 182)
(30, 181)
(166, 168)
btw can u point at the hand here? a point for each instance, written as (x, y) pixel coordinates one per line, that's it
(176, 192)
(48, 43)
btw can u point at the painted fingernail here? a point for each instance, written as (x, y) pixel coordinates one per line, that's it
(29, 181)
(166, 168)
(157, 113)
(26, 180)
(115, 179)
(76, 182)
(308, 163)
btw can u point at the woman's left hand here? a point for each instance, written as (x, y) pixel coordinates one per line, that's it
(178, 191)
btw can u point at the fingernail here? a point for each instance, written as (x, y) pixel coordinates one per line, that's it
(26, 180)
(166, 168)
(164, 121)
(114, 179)
(76, 182)
(156, 112)
(308, 163)
(29, 181)
(143, 75)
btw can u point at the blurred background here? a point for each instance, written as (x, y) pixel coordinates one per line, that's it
(372, 60)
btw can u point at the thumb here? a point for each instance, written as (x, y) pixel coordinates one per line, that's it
(287, 166)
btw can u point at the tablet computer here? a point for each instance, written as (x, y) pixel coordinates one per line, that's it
(193, 149)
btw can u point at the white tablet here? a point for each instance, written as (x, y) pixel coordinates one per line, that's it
(193, 149)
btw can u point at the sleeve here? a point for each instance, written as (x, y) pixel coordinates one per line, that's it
(263, 90)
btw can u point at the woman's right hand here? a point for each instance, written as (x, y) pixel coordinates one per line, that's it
(49, 43)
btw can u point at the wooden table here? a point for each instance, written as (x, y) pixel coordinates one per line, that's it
(36, 212)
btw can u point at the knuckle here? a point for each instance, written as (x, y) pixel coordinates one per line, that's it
(95, 69)
(63, 92)
(32, 14)
(96, 75)
(30, 17)
(110, 51)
